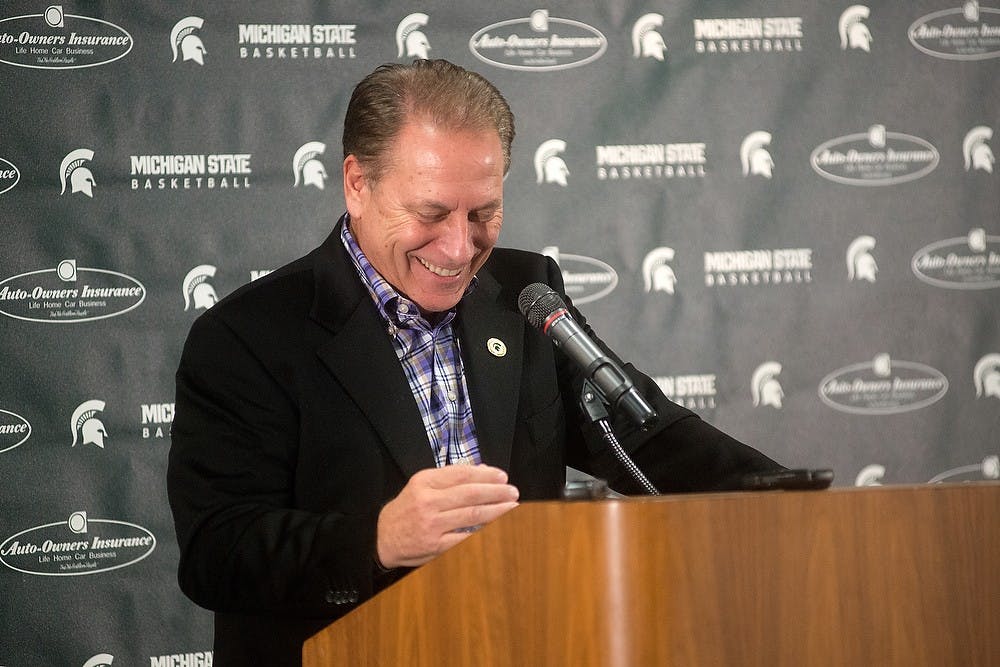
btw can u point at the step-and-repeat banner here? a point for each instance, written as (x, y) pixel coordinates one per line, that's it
(784, 211)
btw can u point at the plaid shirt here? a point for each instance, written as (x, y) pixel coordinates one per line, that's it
(431, 359)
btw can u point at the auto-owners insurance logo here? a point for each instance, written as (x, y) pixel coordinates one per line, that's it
(960, 33)
(9, 175)
(882, 386)
(971, 262)
(77, 546)
(539, 43)
(69, 294)
(56, 40)
(876, 157)
(14, 430)
(585, 279)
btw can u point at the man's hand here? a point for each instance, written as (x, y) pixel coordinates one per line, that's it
(421, 522)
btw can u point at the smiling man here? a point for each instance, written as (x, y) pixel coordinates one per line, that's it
(429, 223)
(352, 414)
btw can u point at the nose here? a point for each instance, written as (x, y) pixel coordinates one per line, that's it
(456, 239)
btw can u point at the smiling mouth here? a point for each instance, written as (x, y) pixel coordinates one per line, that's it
(438, 270)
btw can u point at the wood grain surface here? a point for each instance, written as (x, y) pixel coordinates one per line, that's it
(873, 576)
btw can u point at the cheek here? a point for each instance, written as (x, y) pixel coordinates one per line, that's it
(489, 234)
(484, 242)
(402, 236)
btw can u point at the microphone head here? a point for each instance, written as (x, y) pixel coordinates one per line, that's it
(537, 302)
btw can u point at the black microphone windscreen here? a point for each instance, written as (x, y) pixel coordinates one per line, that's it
(537, 302)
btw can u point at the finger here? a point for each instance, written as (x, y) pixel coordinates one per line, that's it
(476, 515)
(451, 539)
(441, 478)
(467, 495)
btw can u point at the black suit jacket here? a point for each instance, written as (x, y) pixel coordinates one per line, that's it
(295, 424)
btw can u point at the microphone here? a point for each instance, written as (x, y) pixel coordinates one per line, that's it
(545, 310)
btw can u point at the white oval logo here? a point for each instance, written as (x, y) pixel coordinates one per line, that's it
(952, 264)
(9, 175)
(892, 158)
(882, 387)
(14, 430)
(949, 35)
(76, 547)
(539, 43)
(68, 294)
(585, 278)
(61, 41)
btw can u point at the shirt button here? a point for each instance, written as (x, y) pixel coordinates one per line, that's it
(452, 396)
(403, 308)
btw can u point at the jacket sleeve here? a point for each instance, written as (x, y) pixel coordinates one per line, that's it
(678, 453)
(243, 544)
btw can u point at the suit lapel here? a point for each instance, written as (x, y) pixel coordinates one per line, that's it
(493, 374)
(361, 357)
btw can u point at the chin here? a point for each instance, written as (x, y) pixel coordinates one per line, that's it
(438, 305)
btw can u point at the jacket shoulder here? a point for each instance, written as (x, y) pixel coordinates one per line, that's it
(516, 269)
(279, 294)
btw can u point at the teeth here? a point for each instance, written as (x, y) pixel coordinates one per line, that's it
(439, 271)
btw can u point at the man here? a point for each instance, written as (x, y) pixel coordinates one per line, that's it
(320, 409)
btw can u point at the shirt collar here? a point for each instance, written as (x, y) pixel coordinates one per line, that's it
(392, 306)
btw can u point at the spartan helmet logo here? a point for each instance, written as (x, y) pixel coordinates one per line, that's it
(657, 274)
(410, 40)
(86, 427)
(549, 167)
(970, 10)
(197, 289)
(100, 660)
(182, 36)
(646, 41)
(753, 156)
(306, 167)
(860, 264)
(986, 376)
(764, 389)
(79, 176)
(854, 33)
(870, 475)
(977, 152)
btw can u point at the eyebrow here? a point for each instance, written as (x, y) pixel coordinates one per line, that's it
(439, 207)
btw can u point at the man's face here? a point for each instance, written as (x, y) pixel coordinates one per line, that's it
(433, 217)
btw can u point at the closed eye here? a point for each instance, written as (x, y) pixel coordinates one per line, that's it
(431, 217)
(480, 215)
(483, 215)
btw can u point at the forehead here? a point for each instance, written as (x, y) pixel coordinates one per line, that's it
(425, 156)
(425, 136)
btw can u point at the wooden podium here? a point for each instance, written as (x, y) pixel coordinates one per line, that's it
(874, 576)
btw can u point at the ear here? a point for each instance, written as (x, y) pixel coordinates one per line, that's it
(356, 190)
